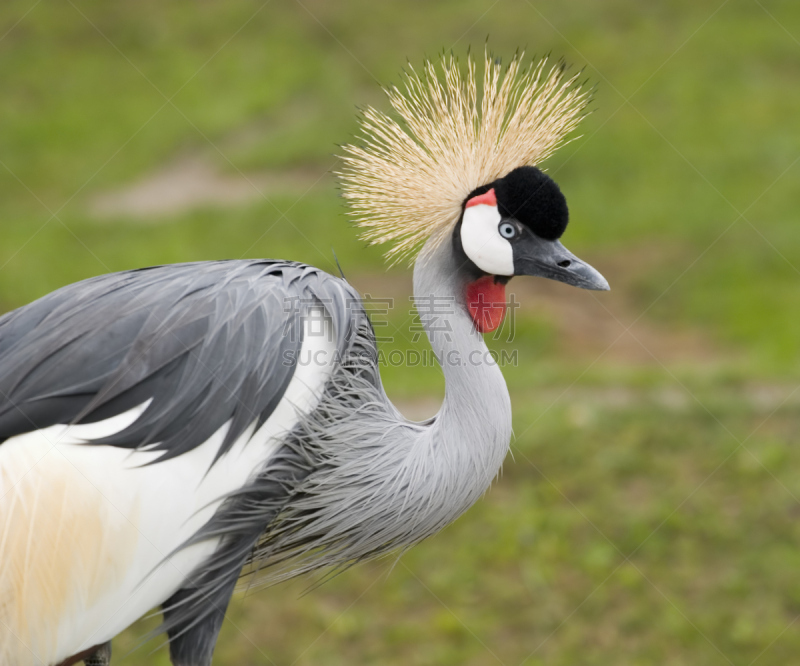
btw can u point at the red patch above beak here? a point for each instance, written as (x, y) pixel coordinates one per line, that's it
(486, 199)
(486, 302)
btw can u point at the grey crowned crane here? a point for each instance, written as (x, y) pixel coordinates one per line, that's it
(167, 430)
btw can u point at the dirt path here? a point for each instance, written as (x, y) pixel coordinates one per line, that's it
(192, 183)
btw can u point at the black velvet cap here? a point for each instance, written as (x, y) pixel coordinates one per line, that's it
(533, 198)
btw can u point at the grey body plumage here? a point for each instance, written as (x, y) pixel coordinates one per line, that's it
(207, 344)
(212, 343)
(360, 479)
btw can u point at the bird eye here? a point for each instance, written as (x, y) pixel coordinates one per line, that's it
(507, 230)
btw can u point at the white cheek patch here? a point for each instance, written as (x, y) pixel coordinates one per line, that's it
(482, 241)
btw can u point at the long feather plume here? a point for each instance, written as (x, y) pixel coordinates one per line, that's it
(408, 179)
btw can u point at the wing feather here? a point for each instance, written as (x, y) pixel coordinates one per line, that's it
(206, 343)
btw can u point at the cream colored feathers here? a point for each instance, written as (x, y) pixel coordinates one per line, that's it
(408, 180)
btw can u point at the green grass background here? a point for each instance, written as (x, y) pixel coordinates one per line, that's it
(650, 512)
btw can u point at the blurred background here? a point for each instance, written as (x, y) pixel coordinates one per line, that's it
(649, 513)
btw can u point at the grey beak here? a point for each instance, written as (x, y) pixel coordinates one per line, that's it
(550, 259)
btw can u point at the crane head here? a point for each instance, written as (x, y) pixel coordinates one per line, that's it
(512, 227)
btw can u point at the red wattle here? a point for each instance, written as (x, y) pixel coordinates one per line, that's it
(486, 302)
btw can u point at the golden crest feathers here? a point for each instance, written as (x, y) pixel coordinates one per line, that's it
(408, 179)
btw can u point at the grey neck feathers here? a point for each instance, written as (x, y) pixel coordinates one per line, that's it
(475, 417)
(376, 481)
